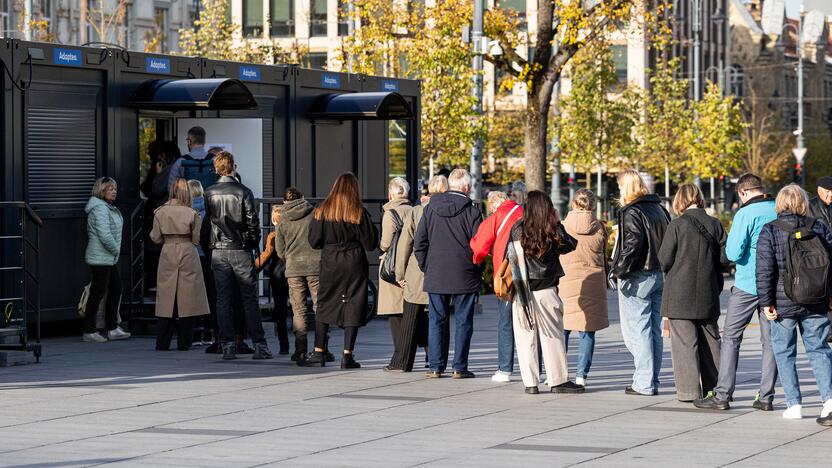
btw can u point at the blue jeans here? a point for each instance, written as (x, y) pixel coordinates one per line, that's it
(639, 303)
(586, 348)
(505, 337)
(464, 305)
(814, 329)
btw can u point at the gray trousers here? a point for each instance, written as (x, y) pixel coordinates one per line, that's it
(695, 352)
(742, 306)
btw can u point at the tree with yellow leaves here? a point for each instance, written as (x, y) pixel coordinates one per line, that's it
(573, 24)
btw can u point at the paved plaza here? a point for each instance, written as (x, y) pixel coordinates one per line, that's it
(124, 404)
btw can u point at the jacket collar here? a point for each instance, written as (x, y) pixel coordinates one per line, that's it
(649, 198)
(758, 199)
(226, 178)
(396, 202)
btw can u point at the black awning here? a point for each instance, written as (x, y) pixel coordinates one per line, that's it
(361, 106)
(207, 94)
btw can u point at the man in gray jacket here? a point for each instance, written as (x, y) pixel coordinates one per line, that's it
(303, 263)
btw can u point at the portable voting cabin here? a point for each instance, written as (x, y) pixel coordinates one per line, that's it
(74, 114)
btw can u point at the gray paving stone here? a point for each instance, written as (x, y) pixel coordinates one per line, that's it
(123, 404)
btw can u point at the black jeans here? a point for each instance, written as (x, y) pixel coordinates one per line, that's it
(209, 322)
(280, 294)
(230, 268)
(104, 280)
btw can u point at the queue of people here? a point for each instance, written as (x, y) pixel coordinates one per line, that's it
(557, 273)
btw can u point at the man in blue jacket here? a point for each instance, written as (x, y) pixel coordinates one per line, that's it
(741, 248)
(441, 247)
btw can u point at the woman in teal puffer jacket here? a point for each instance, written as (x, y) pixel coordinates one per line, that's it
(104, 226)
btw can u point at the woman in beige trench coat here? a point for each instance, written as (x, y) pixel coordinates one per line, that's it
(180, 288)
(584, 288)
(390, 296)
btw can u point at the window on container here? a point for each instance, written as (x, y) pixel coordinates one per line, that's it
(317, 18)
(518, 7)
(282, 14)
(619, 60)
(162, 18)
(343, 17)
(252, 18)
(397, 144)
(317, 60)
(5, 15)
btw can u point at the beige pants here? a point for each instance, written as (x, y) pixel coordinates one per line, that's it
(299, 286)
(548, 334)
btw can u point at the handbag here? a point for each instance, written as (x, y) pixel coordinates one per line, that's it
(503, 280)
(387, 269)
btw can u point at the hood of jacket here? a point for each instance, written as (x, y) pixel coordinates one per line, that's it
(649, 198)
(296, 209)
(449, 204)
(95, 202)
(581, 222)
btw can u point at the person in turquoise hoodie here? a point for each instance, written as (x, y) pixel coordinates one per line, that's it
(741, 248)
(104, 226)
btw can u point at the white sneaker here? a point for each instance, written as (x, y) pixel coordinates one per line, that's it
(827, 408)
(794, 412)
(117, 334)
(94, 338)
(580, 381)
(501, 377)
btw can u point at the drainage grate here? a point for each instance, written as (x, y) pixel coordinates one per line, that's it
(379, 397)
(206, 432)
(556, 448)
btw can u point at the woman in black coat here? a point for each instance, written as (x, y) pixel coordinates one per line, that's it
(692, 257)
(343, 230)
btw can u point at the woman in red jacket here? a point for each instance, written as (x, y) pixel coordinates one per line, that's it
(492, 237)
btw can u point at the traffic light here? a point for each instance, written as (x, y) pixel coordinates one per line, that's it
(798, 174)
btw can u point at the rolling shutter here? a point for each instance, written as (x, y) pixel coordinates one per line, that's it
(60, 160)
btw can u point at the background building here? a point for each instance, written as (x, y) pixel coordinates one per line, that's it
(151, 25)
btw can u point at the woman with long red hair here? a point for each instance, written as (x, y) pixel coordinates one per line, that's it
(343, 230)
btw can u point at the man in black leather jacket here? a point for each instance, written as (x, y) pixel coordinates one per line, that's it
(233, 225)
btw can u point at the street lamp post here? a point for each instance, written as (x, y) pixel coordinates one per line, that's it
(696, 26)
(476, 149)
(800, 150)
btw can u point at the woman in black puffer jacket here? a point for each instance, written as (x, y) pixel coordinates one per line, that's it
(786, 315)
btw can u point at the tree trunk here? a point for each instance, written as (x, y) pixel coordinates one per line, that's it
(535, 140)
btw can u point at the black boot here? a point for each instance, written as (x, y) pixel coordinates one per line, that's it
(300, 348)
(314, 359)
(261, 351)
(229, 351)
(349, 362)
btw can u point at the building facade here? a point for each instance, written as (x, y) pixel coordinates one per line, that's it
(151, 25)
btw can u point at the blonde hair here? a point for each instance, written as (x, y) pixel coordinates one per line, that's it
(101, 185)
(438, 184)
(584, 199)
(632, 186)
(181, 192)
(687, 196)
(495, 199)
(276, 209)
(196, 188)
(224, 163)
(793, 199)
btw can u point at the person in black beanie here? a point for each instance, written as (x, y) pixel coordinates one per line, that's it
(820, 208)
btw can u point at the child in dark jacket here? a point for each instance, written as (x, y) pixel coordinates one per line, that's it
(786, 315)
(276, 272)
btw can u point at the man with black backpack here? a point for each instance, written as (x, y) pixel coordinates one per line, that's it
(198, 164)
(793, 260)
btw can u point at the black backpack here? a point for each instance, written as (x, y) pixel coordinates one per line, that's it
(806, 277)
(199, 169)
(387, 270)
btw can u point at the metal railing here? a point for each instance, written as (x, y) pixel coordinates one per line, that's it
(25, 290)
(135, 296)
